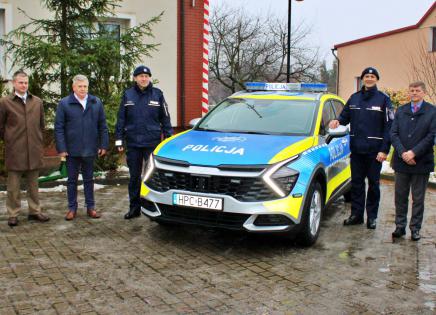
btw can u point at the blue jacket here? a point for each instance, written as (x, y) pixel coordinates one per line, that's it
(81, 132)
(142, 117)
(370, 115)
(416, 132)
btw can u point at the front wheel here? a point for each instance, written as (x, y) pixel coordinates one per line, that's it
(312, 214)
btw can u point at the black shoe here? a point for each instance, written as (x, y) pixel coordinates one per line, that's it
(12, 221)
(399, 232)
(353, 220)
(415, 235)
(132, 214)
(371, 224)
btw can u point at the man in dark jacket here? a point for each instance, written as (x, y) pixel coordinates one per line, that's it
(369, 113)
(81, 133)
(412, 135)
(21, 128)
(142, 119)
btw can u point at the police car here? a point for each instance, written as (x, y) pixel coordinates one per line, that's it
(263, 160)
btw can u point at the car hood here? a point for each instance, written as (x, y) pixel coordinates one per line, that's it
(220, 148)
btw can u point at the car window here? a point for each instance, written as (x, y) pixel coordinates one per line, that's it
(338, 106)
(328, 115)
(288, 117)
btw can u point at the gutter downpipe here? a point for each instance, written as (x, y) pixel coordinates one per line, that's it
(337, 70)
(182, 63)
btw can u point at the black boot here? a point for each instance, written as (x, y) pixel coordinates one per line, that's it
(133, 213)
(353, 220)
(415, 235)
(399, 232)
(371, 224)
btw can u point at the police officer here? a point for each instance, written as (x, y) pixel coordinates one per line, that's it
(369, 113)
(142, 118)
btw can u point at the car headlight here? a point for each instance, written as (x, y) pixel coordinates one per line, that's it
(280, 178)
(148, 169)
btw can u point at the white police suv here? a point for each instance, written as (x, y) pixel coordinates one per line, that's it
(263, 160)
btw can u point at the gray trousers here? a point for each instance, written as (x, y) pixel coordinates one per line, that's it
(404, 183)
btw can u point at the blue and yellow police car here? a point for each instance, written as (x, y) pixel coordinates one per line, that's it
(263, 160)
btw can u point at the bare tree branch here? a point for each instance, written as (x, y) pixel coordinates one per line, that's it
(246, 48)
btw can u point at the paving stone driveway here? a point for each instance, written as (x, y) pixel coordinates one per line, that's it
(111, 266)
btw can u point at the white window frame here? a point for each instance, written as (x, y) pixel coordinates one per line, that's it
(357, 83)
(5, 64)
(432, 39)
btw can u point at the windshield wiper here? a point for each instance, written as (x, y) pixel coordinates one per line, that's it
(250, 132)
(207, 129)
(254, 110)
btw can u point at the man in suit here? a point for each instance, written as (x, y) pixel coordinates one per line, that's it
(21, 128)
(81, 134)
(412, 135)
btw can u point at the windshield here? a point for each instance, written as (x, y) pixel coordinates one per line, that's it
(287, 117)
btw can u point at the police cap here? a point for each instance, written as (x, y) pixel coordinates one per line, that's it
(142, 69)
(370, 70)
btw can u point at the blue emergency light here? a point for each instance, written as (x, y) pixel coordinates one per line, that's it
(265, 86)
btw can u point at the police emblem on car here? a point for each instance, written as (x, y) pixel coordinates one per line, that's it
(263, 160)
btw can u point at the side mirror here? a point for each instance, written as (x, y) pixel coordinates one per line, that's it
(339, 132)
(193, 122)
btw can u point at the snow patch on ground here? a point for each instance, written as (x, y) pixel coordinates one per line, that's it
(123, 168)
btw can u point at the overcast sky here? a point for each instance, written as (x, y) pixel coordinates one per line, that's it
(337, 21)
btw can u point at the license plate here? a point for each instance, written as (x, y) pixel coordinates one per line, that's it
(198, 201)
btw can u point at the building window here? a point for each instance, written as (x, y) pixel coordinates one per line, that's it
(358, 84)
(5, 28)
(433, 39)
(111, 30)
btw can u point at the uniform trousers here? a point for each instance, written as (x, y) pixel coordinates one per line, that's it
(13, 200)
(135, 161)
(404, 183)
(365, 166)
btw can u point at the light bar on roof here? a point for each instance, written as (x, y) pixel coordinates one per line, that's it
(265, 86)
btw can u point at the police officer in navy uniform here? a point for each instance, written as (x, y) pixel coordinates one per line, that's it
(369, 113)
(142, 119)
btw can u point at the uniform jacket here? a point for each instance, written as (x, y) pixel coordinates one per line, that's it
(142, 117)
(81, 132)
(21, 128)
(416, 132)
(370, 116)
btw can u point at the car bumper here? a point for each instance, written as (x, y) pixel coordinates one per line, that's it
(249, 216)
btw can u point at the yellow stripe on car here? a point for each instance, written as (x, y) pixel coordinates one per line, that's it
(288, 205)
(156, 151)
(336, 181)
(293, 149)
(144, 190)
(273, 97)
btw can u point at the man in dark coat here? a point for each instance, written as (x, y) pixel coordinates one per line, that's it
(142, 119)
(21, 128)
(81, 134)
(369, 113)
(412, 135)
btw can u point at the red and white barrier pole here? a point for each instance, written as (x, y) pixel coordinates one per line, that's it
(205, 87)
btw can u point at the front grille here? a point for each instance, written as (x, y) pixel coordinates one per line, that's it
(203, 217)
(241, 188)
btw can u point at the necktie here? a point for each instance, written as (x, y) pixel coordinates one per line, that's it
(415, 108)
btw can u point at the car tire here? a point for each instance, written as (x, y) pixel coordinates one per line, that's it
(347, 196)
(312, 214)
